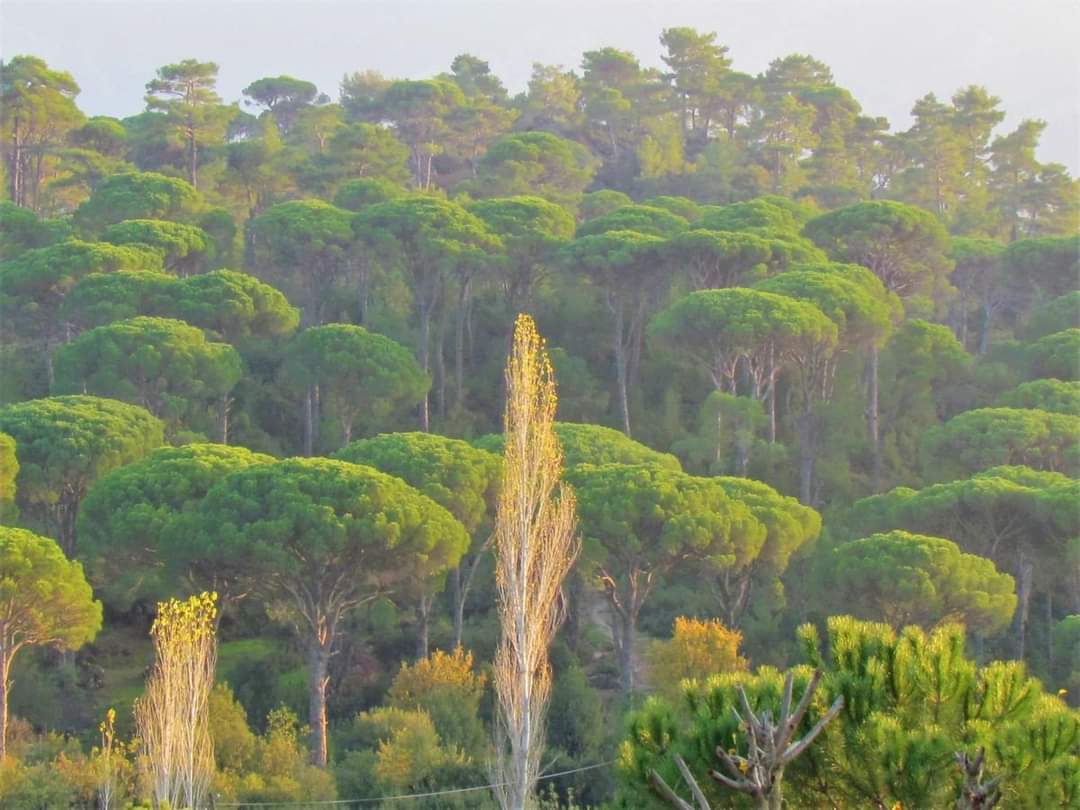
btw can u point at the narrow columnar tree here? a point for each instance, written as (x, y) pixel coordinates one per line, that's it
(44, 600)
(535, 546)
(173, 717)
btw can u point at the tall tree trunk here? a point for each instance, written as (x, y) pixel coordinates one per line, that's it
(772, 412)
(627, 629)
(807, 457)
(67, 510)
(193, 161)
(464, 296)
(440, 363)
(5, 674)
(873, 422)
(1049, 631)
(318, 659)
(425, 364)
(226, 406)
(984, 331)
(620, 369)
(460, 591)
(1025, 574)
(309, 421)
(423, 625)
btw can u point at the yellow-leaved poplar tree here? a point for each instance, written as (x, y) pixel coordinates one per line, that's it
(173, 716)
(535, 546)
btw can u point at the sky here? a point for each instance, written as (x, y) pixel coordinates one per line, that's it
(887, 52)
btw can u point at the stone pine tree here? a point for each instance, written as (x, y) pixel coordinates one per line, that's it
(535, 546)
(322, 538)
(44, 600)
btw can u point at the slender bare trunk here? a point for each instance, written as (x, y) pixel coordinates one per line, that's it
(620, 368)
(193, 160)
(309, 421)
(226, 406)
(461, 587)
(459, 342)
(873, 419)
(984, 332)
(1024, 577)
(627, 630)
(423, 624)
(5, 684)
(425, 364)
(318, 659)
(807, 457)
(440, 363)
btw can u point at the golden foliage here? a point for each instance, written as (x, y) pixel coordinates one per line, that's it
(439, 671)
(173, 716)
(410, 750)
(535, 546)
(698, 648)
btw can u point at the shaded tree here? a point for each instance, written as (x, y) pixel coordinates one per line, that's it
(1055, 355)
(538, 163)
(427, 239)
(1045, 395)
(904, 246)
(184, 248)
(992, 437)
(641, 522)
(642, 219)
(305, 244)
(282, 96)
(133, 524)
(45, 600)
(459, 477)
(723, 331)
(624, 267)
(36, 283)
(357, 372)
(532, 230)
(593, 444)
(712, 260)
(185, 93)
(139, 195)
(325, 536)
(38, 111)
(64, 444)
(863, 321)
(164, 365)
(903, 578)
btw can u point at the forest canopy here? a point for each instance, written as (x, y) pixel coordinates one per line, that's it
(803, 423)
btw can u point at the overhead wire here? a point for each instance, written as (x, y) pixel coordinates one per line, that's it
(399, 797)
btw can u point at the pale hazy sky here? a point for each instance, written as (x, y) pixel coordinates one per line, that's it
(887, 52)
